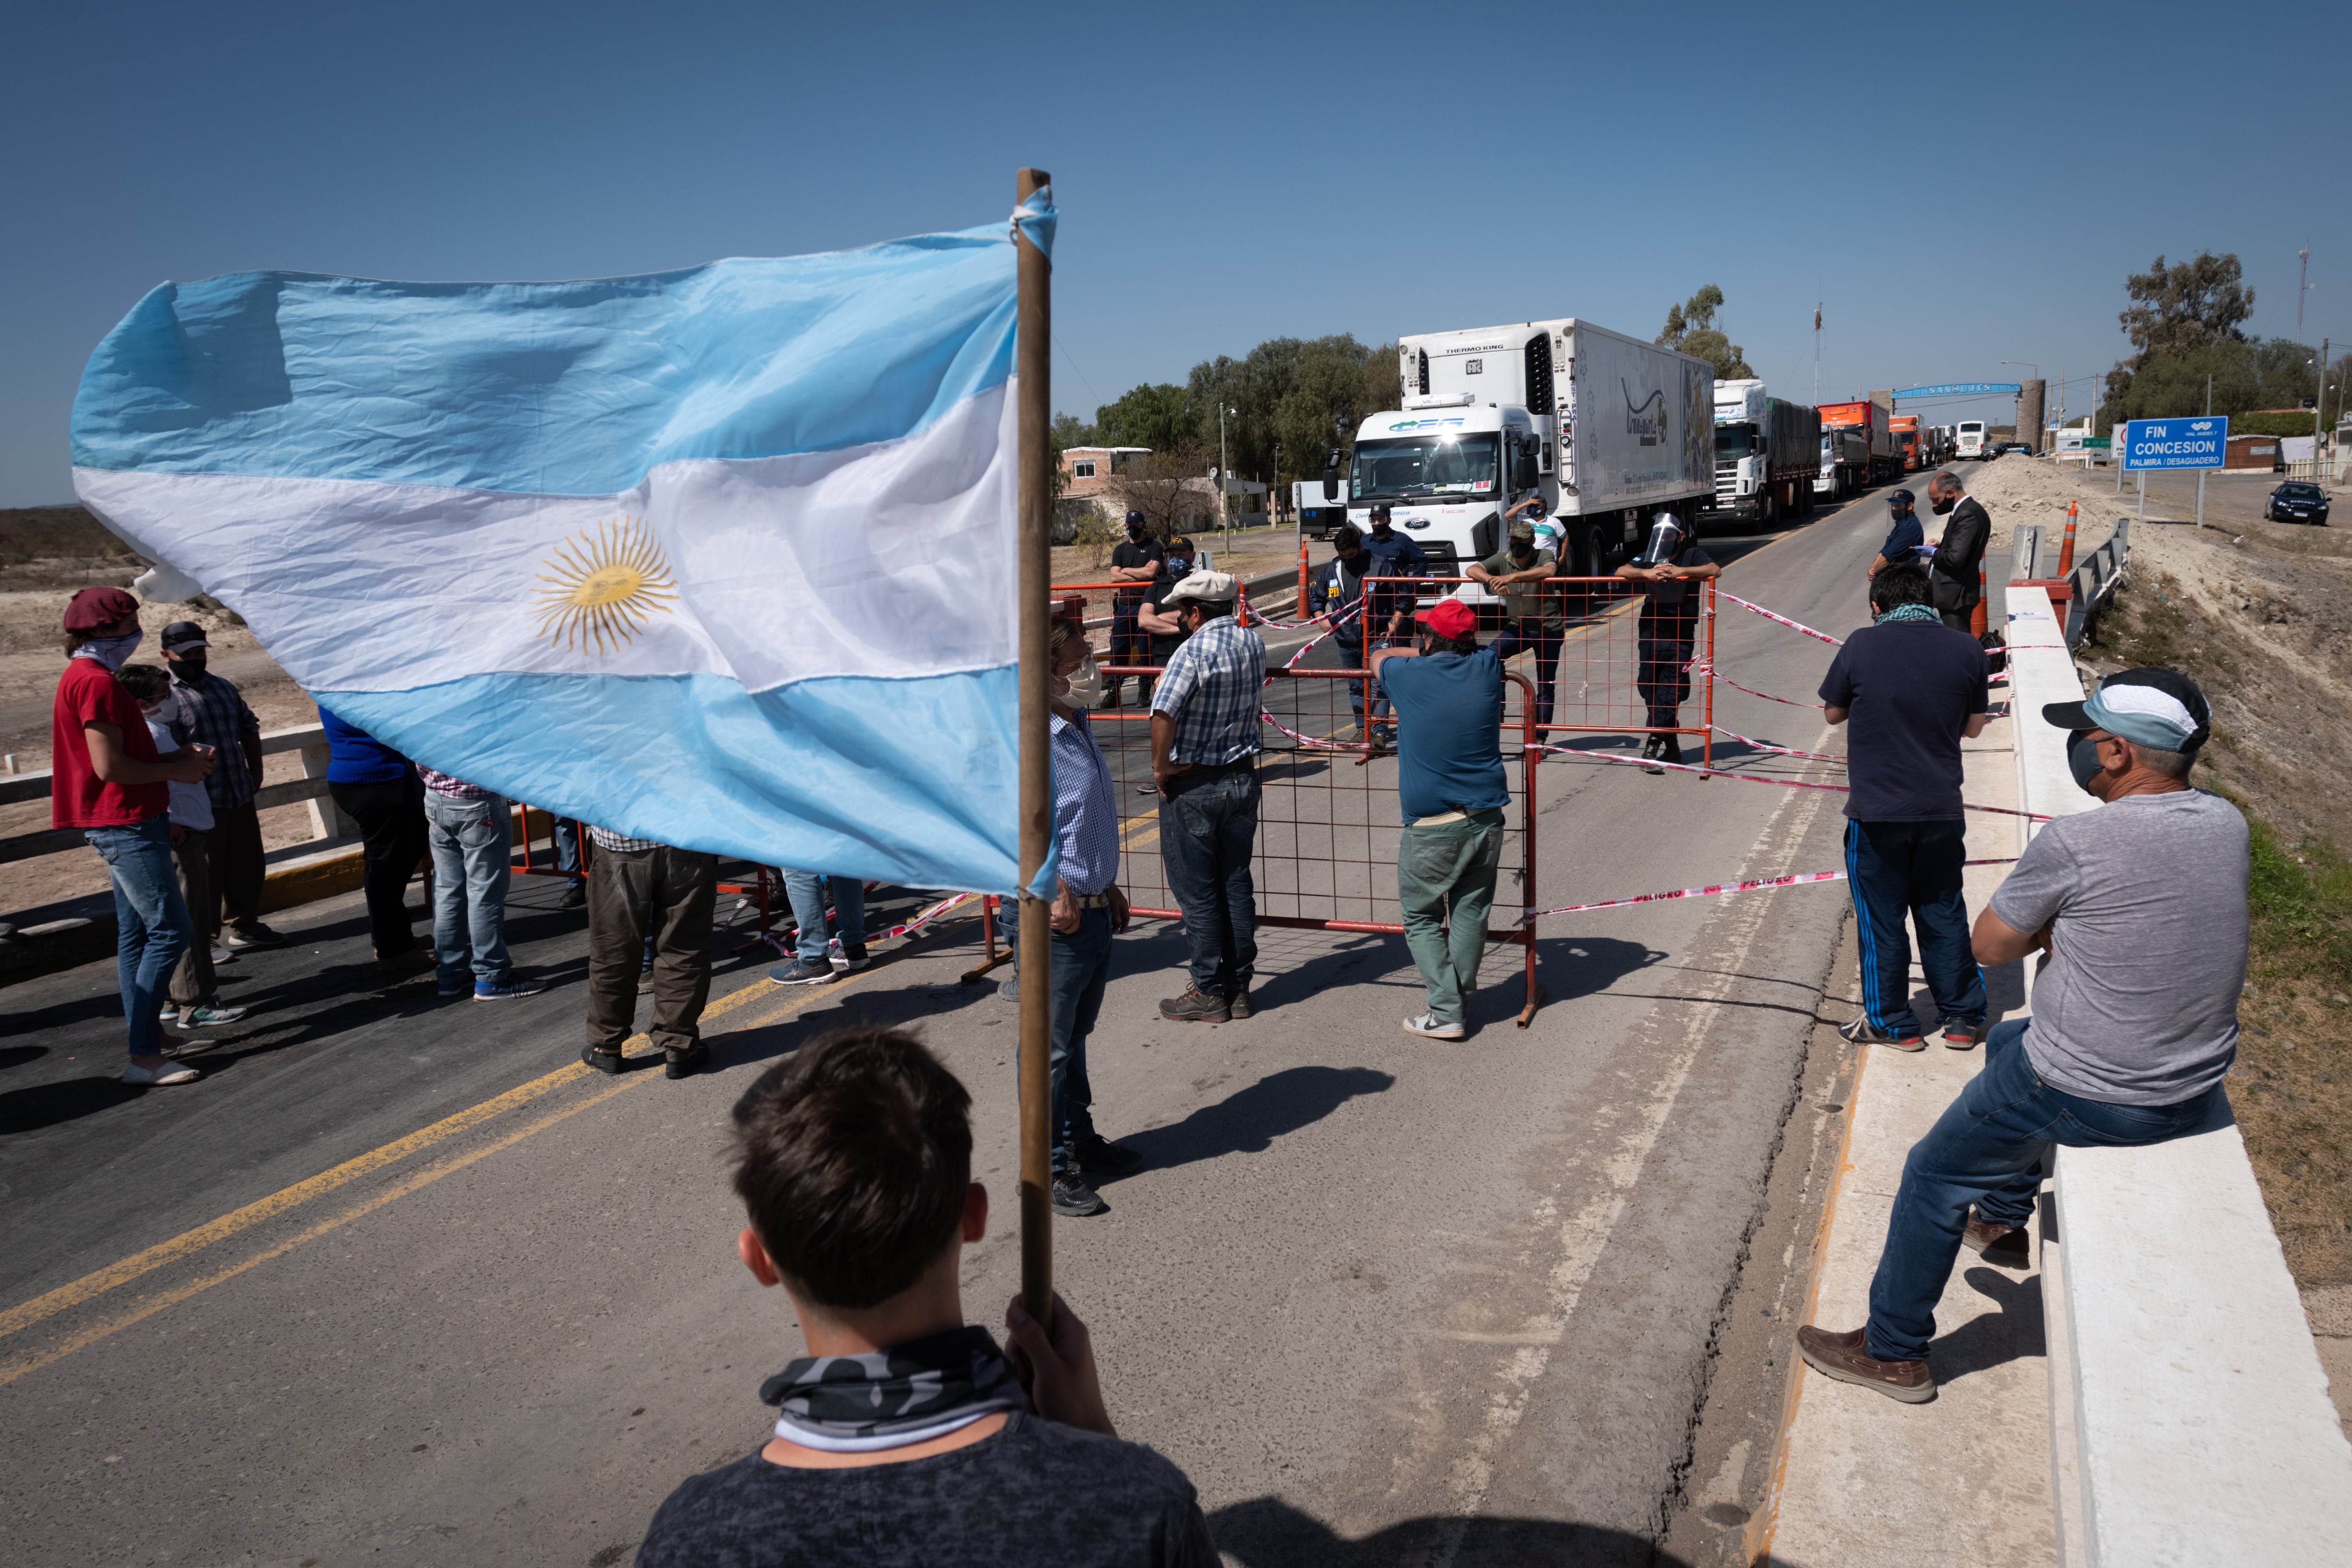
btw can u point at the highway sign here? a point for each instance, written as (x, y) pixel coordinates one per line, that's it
(2197, 442)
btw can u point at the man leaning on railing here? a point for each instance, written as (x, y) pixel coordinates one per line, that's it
(2141, 907)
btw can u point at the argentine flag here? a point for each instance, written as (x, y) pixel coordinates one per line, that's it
(723, 558)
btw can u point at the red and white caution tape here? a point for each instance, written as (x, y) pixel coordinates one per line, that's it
(1700, 667)
(1801, 879)
(923, 918)
(1775, 615)
(1780, 750)
(1579, 756)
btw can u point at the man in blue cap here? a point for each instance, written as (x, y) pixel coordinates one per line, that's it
(1904, 539)
(2141, 908)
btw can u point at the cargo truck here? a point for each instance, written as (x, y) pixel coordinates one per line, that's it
(1318, 516)
(1845, 462)
(1905, 428)
(1767, 453)
(1608, 430)
(1882, 462)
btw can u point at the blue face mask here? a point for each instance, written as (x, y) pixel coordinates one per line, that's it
(1179, 565)
(111, 652)
(2082, 760)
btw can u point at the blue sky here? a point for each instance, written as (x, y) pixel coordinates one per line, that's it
(1225, 174)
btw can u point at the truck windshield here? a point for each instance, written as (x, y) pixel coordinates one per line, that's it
(1734, 440)
(1425, 465)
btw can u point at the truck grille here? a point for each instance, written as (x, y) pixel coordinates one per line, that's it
(1727, 481)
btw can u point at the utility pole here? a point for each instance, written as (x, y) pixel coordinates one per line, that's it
(2225, 452)
(2302, 286)
(1224, 483)
(1817, 353)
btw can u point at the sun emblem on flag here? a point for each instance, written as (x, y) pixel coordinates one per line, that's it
(605, 587)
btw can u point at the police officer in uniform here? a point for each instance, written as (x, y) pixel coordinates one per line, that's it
(1666, 573)
(1137, 560)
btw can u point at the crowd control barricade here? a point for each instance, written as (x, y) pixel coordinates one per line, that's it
(1330, 821)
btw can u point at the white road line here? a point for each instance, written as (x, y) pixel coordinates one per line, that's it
(1583, 1236)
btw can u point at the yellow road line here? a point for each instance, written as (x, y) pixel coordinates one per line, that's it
(150, 1306)
(65, 1297)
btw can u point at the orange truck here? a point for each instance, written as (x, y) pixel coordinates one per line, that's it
(1906, 430)
(1858, 442)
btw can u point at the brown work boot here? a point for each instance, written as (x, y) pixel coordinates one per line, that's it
(1238, 1006)
(1195, 1008)
(1842, 1356)
(2002, 1245)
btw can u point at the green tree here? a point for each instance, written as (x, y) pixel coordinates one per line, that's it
(2273, 373)
(2188, 305)
(1690, 327)
(1160, 416)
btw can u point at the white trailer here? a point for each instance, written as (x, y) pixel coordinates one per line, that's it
(1317, 515)
(1608, 430)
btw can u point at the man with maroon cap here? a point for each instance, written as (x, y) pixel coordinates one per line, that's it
(1452, 789)
(106, 780)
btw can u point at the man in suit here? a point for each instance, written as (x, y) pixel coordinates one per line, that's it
(1960, 554)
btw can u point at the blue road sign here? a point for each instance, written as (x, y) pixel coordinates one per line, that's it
(2197, 442)
(1959, 389)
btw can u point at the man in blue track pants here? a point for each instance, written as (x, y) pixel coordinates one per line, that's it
(1913, 690)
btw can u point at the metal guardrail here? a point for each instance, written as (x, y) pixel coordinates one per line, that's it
(310, 740)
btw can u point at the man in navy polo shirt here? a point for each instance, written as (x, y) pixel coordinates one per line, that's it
(1913, 690)
(1453, 788)
(1904, 536)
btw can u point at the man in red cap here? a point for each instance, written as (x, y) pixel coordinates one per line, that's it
(1452, 789)
(105, 779)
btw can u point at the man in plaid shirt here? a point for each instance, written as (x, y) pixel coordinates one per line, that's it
(1205, 747)
(217, 717)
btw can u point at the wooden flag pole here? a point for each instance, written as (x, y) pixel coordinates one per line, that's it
(1036, 940)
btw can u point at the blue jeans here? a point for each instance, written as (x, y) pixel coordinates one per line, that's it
(1208, 827)
(1546, 640)
(1898, 868)
(1081, 970)
(1349, 641)
(1986, 1149)
(472, 843)
(151, 926)
(567, 844)
(806, 890)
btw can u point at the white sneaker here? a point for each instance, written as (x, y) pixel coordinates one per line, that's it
(205, 1013)
(224, 954)
(157, 1076)
(1427, 1025)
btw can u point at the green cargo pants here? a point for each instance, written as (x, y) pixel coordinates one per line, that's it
(1445, 880)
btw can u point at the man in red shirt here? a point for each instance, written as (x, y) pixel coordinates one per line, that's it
(105, 780)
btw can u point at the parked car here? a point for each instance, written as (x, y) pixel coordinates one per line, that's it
(2007, 447)
(2295, 502)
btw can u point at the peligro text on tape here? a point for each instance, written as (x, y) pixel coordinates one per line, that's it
(1795, 879)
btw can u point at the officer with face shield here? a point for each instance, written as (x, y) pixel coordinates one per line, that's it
(1904, 536)
(1667, 575)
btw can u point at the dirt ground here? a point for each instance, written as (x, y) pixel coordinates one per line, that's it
(2260, 615)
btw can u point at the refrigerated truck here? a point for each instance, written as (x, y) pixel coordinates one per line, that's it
(1882, 462)
(1318, 516)
(1608, 430)
(1767, 453)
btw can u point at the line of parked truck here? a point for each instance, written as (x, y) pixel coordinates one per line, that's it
(1608, 431)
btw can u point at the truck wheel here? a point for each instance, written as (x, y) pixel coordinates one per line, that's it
(1584, 558)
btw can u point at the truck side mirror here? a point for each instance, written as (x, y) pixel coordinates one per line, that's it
(1333, 461)
(1543, 458)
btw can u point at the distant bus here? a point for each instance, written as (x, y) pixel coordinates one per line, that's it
(1968, 439)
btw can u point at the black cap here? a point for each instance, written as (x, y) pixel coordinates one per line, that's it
(184, 634)
(2171, 682)
(1137, 519)
(1903, 496)
(1380, 511)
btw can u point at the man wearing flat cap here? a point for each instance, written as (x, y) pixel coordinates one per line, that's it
(2140, 906)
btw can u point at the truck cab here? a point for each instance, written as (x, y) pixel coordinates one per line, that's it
(1448, 476)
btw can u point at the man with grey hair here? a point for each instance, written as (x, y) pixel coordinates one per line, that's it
(1959, 555)
(2141, 908)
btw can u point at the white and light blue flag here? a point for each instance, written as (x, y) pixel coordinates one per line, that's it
(723, 558)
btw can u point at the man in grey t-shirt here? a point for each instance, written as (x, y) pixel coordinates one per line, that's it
(2141, 907)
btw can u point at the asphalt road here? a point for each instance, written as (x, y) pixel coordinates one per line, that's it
(399, 1282)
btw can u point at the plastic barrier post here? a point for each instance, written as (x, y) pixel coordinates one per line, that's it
(2067, 549)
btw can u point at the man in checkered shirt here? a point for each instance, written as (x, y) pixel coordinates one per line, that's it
(1205, 747)
(217, 717)
(633, 880)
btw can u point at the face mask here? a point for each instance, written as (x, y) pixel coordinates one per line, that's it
(111, 652)
(1523, 553)
(1942, 504)
(189, 667)
(1179, 565)
(1086, 685)
(2082, 760)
